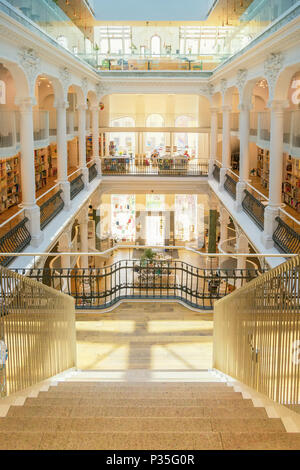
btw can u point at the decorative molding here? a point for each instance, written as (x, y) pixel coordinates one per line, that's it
(272, 67)
(84, 86)
(207, 90)
(241, 79)
(65, 78)
(30, 62)
(101, 90)
(223, 86)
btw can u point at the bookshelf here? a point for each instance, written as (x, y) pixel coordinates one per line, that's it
(291, 183)
(89, 147)
(45, 164)
(263, 162)
(10, 189)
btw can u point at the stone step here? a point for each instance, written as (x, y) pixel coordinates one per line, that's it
(139, 385)
(99, 401)
(52, 440)
(59, 410)
(135, 393)
(142, 425)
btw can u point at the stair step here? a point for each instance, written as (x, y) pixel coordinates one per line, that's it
(224, 402)
(53, 391)
(60, 410)
(138, 385)
(142, 425)
(52, 440)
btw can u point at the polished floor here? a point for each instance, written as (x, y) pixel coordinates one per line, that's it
(149, 336)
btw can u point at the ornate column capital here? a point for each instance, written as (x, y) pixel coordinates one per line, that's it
(65, 79)
(82, 107)
(245, 107)
(26, 104)
(241, 80)
(223, 86)
(30, 62)
(272, 67)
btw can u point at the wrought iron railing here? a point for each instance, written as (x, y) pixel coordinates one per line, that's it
(230, 186)
(254, 208)
(51, 208)
(92, 172)
(257, 333)
(76, 186)
(37, 324)
(100, 288)
(14, 241)
(166, 168)
(216, 172)
(285, 238)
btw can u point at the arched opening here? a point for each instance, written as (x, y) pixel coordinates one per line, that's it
(155, 140)
(124, 141)
(155, 45)
(185, 142)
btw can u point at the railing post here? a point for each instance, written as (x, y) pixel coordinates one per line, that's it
(32, 211)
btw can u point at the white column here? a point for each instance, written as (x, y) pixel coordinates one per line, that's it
(213, 139)
(244, 127)
(226, 147)
(224, 221)
(242, 246)
(62, 152)
(171, 144)
(95, 134)
(64, 246)
(82, 142)
(275, 172)
(84, 240)
(32, 210)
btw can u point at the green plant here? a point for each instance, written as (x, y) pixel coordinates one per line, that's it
(148, 255)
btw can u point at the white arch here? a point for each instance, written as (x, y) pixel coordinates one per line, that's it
(2, 92)
(155, 120)
(155, 45)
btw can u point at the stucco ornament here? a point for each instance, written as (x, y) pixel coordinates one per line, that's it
(30, 62)
(272, 67)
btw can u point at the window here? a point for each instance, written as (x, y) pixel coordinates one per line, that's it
(155, 45)
(155, 202)
(114, 39)
(123, 217)
(124, 141)
(2, 92)
(185, 217)
(63, 41)
(155, 140)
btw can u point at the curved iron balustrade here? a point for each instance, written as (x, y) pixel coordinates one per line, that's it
(76, 186)
(285, 238)
(92, 172)
(216, 173)
(230, 186)
(51, 208)
(100, 288)
(14, 241)
(254, 208)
